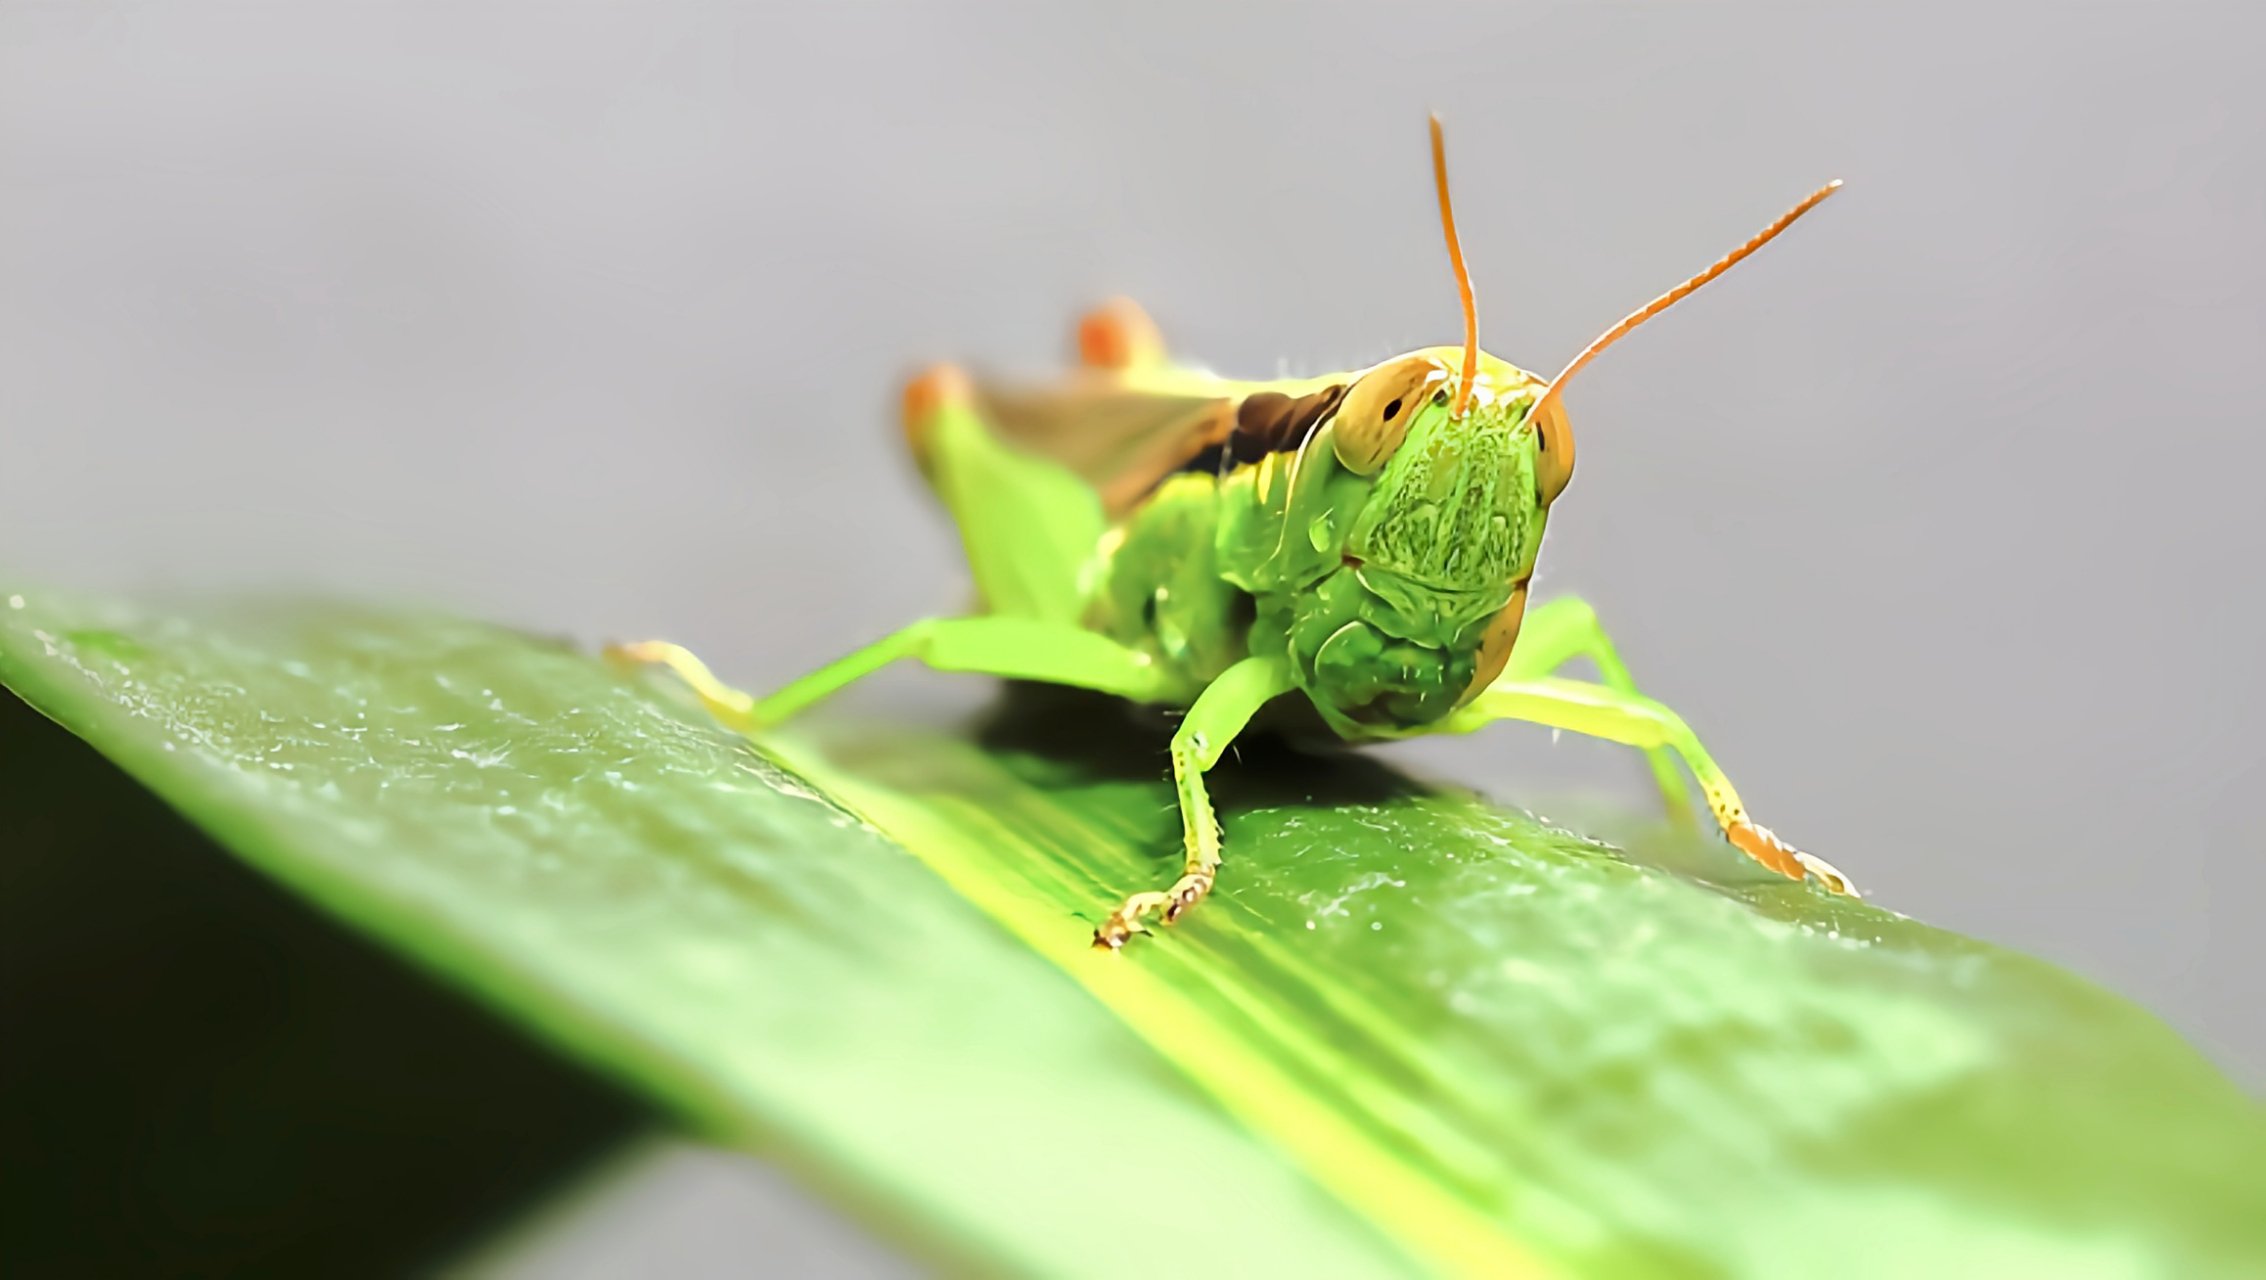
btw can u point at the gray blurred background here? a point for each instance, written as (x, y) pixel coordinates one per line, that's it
(1937, 519)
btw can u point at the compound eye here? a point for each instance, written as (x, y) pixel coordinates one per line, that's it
(1553, 454)
(1373, 418)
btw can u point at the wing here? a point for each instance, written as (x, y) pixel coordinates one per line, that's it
(1119, 433)
(1127, 417)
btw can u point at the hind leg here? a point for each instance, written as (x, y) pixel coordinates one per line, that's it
(1030, 528)
(1118, 334)
(1028, 525)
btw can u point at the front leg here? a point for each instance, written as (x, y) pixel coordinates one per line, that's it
(1220, 712)
(1057, 653)
(1640, 722)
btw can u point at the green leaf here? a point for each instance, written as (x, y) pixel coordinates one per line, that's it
(1414, 1032)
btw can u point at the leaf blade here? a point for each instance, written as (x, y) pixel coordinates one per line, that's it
(1505, 1048)
(318, 747)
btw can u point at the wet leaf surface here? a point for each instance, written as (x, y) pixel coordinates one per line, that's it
(1413, 1031)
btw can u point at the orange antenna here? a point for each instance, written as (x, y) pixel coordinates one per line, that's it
(1463, 273)
(1675, 295)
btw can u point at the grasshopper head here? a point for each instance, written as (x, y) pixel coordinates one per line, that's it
(1464, 453)
(1419, 611)
(1385, 405)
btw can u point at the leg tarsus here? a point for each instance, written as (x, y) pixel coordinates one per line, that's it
(1112, 934)
(1173, 903)
(1763, 845)
(1829, 875)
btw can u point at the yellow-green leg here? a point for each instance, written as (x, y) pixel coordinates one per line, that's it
(1028, 649)
(1219, 713)
(1015, 648)
(1638, 721)
(1554, 634)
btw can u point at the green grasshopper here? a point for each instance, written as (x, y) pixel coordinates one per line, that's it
(1364, 539)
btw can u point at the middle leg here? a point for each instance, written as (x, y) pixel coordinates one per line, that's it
(1015, 648)
(1567, 628)
(1640, 722)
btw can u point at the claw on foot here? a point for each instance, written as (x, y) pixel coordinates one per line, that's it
(1828, 874)
(1174, 903)
(1124, 922)
(1759, 843)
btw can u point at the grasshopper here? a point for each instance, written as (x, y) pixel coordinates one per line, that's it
(1362, 539)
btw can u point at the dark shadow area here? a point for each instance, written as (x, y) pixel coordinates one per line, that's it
(204, 1076)
(1285, 758)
